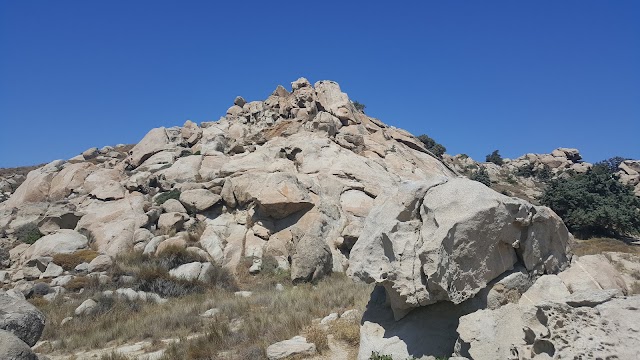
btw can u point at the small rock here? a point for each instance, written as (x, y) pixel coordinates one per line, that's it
(240, 101)
(243, 293)
(100, 263)
(86, 308)
(66, 320)
(592, 298)
(329, 318)
(52, 271)
(82, 267)
(210, 313)
(279, 287)
(297, 345)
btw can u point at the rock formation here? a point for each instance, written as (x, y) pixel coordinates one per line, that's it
(291, 177)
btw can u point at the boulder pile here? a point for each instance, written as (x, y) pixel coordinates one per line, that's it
(291, 178)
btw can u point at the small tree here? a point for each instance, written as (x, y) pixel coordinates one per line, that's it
(431, 145)
(612, 163)
(495, 158)
(359, 106)
(481, 175)
(594, 203)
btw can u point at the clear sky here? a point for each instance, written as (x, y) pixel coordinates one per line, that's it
(518, 76)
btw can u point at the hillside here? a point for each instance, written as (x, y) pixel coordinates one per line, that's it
(228, 239)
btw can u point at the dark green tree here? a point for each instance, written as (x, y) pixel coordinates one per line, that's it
(434, 147)
(359, 106)
(613, 163)
(481, 175)
(594, 203)
(494, 157)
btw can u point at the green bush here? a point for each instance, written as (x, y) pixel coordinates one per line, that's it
(28, 233)
(494, 157)
(613, 163)
(481, 175)
(594, 203)
(162, 198)
(359, 106)
(431, 145)
(529, 170)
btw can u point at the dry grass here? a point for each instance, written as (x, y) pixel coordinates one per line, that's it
(315, 334)
(70, 261)
(271, 316)
(243, 328)
(600, 245)
(347, 330)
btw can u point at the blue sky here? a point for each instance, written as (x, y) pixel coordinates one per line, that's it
(518, 76)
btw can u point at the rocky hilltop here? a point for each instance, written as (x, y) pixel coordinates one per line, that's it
(306, 183)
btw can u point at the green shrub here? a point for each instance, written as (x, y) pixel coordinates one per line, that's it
(431, 145)
(529, 170)
(172, 194)
(174, 256)
(359, 106)
(495, 158)
(481, 175)
(594, 203)
(28, 233)
(612, 163)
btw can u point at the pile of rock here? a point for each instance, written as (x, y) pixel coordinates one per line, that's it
(292, 177)
(630, 174)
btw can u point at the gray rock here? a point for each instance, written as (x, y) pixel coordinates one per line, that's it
(12, 348)
(189, 271)
(86, 308)
(21, 318)
(459, 235)
(591, 298)
(100, 263)
(297, 345)
(52, 271)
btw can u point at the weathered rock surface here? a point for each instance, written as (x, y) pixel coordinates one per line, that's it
(12, 348)
(62, 241)
(20, 318)
(297, 345)
(446, 239)
(561, 331)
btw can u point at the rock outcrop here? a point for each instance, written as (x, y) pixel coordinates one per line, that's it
(445, 240)
(292, 177)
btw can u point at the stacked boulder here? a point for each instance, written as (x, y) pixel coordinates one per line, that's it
(292, 177)
(629, 172)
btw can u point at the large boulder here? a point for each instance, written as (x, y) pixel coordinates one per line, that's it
(278, 195)
(608, 329)
(113, 224)
(155, 141)
(63, 241)
(12, 348)
(36, 186)
(446, 239)
(20, 318)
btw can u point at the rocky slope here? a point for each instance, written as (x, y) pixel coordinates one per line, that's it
(291, 177)
(305, 181)
(524, 176)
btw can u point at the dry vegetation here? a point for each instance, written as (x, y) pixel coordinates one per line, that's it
(243, 328)
(599, 245)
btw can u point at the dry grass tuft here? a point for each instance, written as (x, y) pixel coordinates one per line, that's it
(346, 330)
(70, 261)
(315, 334)
(600, 245)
